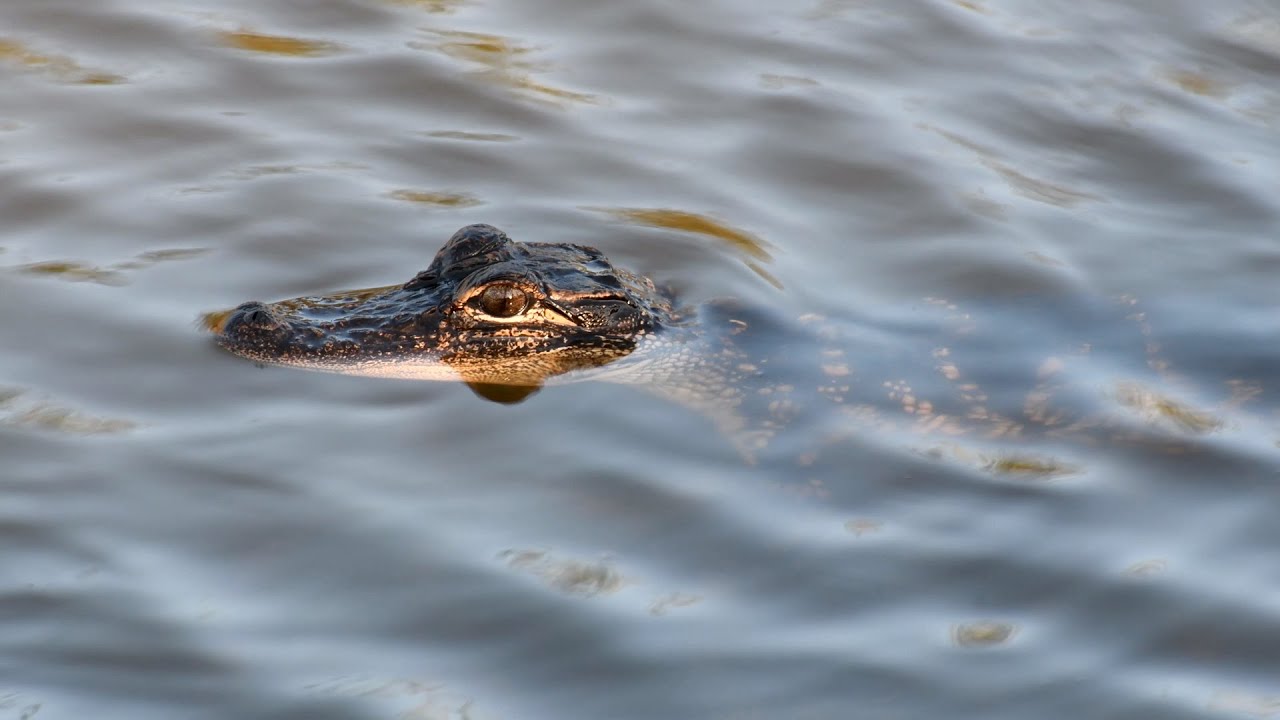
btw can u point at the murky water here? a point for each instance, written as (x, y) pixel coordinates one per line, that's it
(1070, 207)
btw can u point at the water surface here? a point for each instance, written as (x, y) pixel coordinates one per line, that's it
(1076, 197)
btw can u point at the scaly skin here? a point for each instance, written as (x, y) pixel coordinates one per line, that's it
(487, 311)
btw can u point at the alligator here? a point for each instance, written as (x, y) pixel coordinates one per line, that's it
(502, 316)
(507, 318)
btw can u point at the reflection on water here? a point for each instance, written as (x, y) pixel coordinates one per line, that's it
(57, 67)
(481, 137)
(278, 44)
(431, 6)
(502, 61)
(1019, 182)
(18, 409)
(740, 240)
(983, 634)
(442, 199)
(113, 274)
(573, 577)
(754, 248)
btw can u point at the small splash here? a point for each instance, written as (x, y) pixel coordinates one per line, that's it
(439, 199)
(573, 577)
(59, 67)
(278, 44)
(982, 634)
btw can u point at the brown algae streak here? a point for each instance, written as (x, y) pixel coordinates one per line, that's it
(439, 7)
(278, 44)
(1031, 468)
(739, 240)
(113, 274)
(503, 61)
(440, 199)
(667, 219)
(60, 67)
(1156, 407)
(44, 415)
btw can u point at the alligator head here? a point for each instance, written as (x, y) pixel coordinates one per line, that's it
(498, 315)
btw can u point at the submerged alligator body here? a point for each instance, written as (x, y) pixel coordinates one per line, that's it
(507, 317)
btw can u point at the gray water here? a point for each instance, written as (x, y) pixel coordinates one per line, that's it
(1083, 191)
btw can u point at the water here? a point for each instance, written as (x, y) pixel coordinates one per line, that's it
(1089, 184)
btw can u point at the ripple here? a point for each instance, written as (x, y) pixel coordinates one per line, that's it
(440, 199)
(111, 275)
(278, 44)
(1038, 189)
(572, 577)
(59, 67)
(669, 219)
(1028, 466)
(46, 415)
(440, 7)
(478, 137)
(667, 603)
(503, 61)
(983, 634)
(398, 697)
(1155, 407)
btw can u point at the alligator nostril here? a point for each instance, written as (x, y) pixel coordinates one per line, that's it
(250, 315)
(256, 316)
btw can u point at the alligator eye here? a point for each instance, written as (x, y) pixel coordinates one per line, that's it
(503, 301)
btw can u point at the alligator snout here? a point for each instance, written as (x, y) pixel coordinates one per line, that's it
(251, 316)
